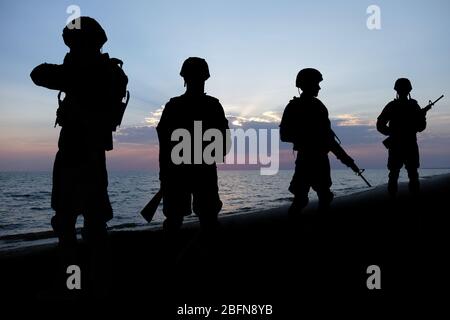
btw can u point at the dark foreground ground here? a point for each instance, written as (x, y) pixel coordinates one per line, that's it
(319, 261)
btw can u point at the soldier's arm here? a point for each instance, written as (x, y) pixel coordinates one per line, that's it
(332, 143)
(51, 76)
(224, 128)
(421, 119)
(342, 156)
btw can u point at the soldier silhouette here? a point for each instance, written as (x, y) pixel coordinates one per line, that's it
(190, 183)
(401, 120)
(305, 123)
(94, 85)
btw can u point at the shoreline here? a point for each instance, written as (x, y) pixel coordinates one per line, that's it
(25, 242)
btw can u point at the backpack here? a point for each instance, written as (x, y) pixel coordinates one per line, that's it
(119, 100)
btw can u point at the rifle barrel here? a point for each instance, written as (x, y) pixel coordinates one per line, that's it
(367, 182)
(438, 99)
(364, 179)
(435, 101)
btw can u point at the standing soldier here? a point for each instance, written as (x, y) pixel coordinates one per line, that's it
(94, 85)
(191, 181)
(305, 123)
(401, 120)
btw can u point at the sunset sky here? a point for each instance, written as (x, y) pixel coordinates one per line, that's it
(254, 50)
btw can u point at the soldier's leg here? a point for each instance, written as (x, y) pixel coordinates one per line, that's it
(299, 186)
(207, 205)
(64, 220)
(414, 184)
(394, 165)
(325, 198)
(63, 224)
(393, 181)
(322, 182)
(95, 227)
(98, 211)
(98, 270)
(176, 205)
(412, 164)
(206, 200)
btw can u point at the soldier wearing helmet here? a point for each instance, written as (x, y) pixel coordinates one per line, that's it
(88, 78)
(190, 186)
(401, 120)
(305, 123)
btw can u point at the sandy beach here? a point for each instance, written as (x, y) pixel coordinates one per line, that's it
(264, 258)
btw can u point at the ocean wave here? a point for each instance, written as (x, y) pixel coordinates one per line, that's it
(40, 208)
(28, 236)
(283, 199)
(15, 195)
(10, 226)
(125, 226)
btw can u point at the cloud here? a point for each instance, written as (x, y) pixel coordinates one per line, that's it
(268, 117)
(350, 128)
(154, 117)
(356, 134)
(136, 135)
(348, 120)
(359, 138)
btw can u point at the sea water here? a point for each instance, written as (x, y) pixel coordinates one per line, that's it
(25, 210)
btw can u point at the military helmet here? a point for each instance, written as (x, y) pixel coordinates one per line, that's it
(195, 67)
(89, 33)
(403, 84)
(308, 75)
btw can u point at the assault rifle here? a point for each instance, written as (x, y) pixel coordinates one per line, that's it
(388, 141)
